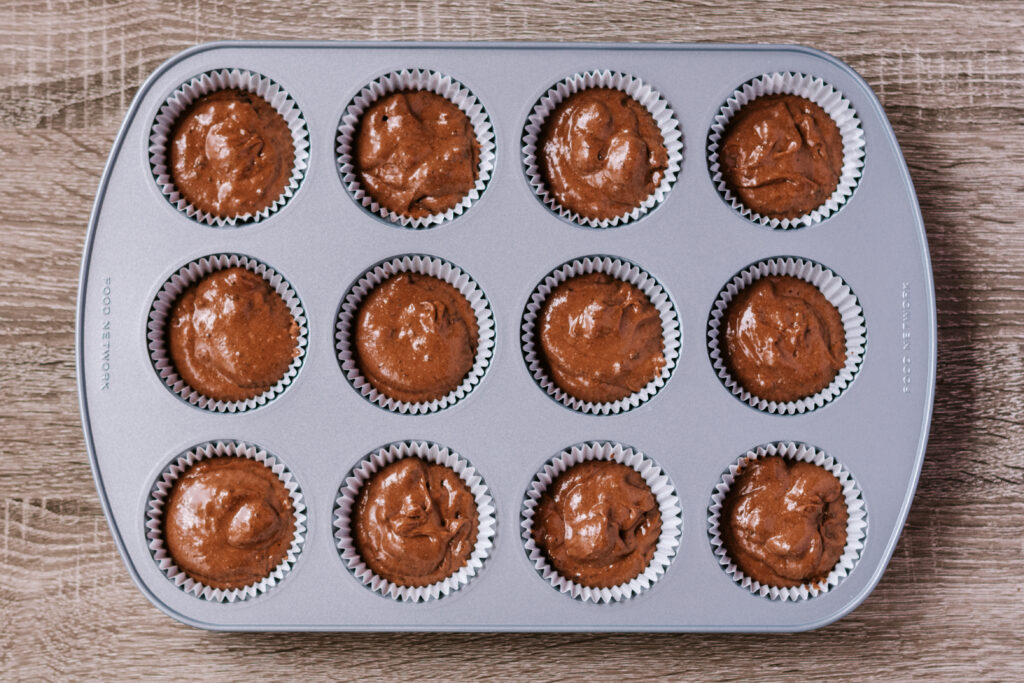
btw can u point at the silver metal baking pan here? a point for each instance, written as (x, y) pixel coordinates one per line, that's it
(320, 427)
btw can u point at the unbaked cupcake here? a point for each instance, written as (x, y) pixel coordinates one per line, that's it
(783, 522)
(782, 340)
(601, 154)
(600, 338)
(415, 522)
(416, 153)
(786, 150)
(230, 336)
(600, 335)
(598, 524)
(415, 334)
(415, 338)
(787, 521)
(415, 147)
(228, 522)
(782, 155)
(231, 153)
(602, 148)
(601, 522)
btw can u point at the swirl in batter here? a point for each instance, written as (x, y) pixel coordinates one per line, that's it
(228, 522)
(414, 523)
(598, 523)
(783, 522)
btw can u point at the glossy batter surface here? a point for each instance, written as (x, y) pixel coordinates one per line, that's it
(600, 338)
(783, 522)
(782, 155)
(415, 522)
(415, 337)
(228, 522)
(231, 336)
(598, 524)
(601, 153)
(783, 340)
(231, 153)
(416, 153)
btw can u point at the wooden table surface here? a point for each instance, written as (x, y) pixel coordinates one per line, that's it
(951, 79)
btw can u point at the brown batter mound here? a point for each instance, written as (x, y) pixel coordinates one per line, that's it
(783, 340)
(228, 522)
(600, 338)
(782, 155)
(784, 522)
(416, 153)
(415, 338)
(415, 523)
(601, 153)
(598, 524)
(231, 153)
(231, 337)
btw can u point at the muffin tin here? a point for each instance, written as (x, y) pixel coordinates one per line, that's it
(320, 427)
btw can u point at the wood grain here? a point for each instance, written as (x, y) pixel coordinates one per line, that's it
(951, 78)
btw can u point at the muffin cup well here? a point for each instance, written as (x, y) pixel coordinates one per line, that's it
(158, 498)
(204, 84)
(823, 95)
(856, 525)
(364, 471)
(837, 292)
(414, 79)
(424, 265)
(189, 275)
(643, 93)
(621, 270)
(668, 505)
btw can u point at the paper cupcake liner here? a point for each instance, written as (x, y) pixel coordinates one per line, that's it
(668, 504)
(433, 453)
(627, 272)
(643, 93)
(424, 265)
(837, 292)
(415, 79)
(823, 95)
(187, 276)
(204, 84)
(856, 525)
(155, 509)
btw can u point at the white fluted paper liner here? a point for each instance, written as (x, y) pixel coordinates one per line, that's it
(424, 265)
(187, 276)
(621, 270)
(415, 79)
(668, 505)
(433, 453)
(162, 489)
(823, 95)
(837, 292)
(643, 93)
(856, 524)
(204, 84)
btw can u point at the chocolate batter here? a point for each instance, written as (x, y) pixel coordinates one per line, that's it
(231, 153)
(415, 523)
(782, 339)
(782, 155)
(600, 338)
(415, 338)
(231, 336)
(598, 524)
(783, 522)
(416, 153)
(601, 153)
(228, 522)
